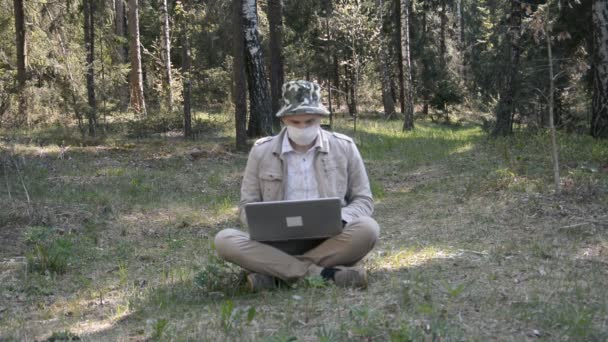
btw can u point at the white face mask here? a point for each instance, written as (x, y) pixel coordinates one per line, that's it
(303, 136)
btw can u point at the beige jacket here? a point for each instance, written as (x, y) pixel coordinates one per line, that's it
(338, 167)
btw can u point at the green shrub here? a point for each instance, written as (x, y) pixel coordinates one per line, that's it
(217, 275)
(50, 252)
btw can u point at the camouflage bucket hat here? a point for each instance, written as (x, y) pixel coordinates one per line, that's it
(301, 97)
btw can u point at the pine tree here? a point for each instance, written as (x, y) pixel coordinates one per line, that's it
(89, 41)
(599, 118)
(21, 44)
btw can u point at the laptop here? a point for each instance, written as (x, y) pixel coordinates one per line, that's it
(294, 226)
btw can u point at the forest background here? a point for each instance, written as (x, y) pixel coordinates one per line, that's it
(124, 127)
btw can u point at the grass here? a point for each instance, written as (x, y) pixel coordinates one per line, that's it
(115, 242)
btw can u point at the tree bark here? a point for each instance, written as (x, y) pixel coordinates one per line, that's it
(426, 78)
(89, 42)
(187, 83)
(120, 30)
(460, 38)
(336, 75)
(599, 113)
(122, 50)
(408, 88)
(329, 69)
(385, 77)
(167, 55)
(387, 97)
(554, 154)
(444, 20)
(275, 21)
(400, 54)
(138, 102)
(260, 120)
(239, 81)
(21, 44)
(505, 108)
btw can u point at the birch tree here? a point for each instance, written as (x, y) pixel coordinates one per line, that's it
(136, 82)
(260, 115)
(166, 52)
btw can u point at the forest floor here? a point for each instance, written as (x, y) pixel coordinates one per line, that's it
(113, 241)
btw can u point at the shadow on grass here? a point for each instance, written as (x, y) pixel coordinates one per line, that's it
(458, 294)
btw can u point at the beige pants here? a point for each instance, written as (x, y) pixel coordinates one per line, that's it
(347, 248)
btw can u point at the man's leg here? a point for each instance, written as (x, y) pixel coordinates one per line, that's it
(235, 246)
(356, 240)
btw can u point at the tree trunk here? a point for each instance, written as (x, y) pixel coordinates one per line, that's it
(554, 154)
(460, 38)
(400, 54)
(387, 97)
(338, 96)
(122, 50)
(120, 30)
(187, 85)
(275, 22)
(238, 77)
(167, 55)
(329, 70)
(21, 44)
(260, 118)
(138, 102)
(505, 108)
(385, 77)
(327, 11)
(408, 88)
(444, 20)
(426, 77)
(89, 42)
(353, 91)
(599, 114)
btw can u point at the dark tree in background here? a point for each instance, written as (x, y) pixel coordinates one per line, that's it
(473, 60)
(399, 51)
(388, 102)
(599, 118)
(136, 82)
(121, 48)
(21, 45)
(89, 42)
(260, 109)
(408, 86)
(187, 84)
(120, 31)
(275, 22)
(505, 110)
(239, 82)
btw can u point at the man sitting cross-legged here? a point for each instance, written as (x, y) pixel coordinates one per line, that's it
(305, 162)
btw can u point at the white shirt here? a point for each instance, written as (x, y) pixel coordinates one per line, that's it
(301, 181)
